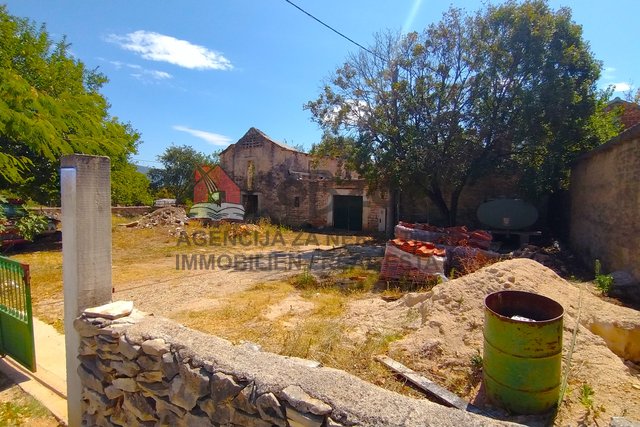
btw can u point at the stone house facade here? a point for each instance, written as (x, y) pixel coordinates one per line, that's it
(293, 188)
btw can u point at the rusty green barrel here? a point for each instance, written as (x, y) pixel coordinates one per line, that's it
(522, 359)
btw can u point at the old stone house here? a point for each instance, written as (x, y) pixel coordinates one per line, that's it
(276, 181)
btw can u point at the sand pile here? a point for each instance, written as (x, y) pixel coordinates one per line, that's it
(449, 340)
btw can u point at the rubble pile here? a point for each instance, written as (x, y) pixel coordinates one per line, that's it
(169, 216)
(552, 257)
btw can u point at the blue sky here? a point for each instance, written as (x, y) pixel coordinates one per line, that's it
(203, 72)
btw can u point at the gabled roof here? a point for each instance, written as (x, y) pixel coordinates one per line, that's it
(630, 115)
(253, 132)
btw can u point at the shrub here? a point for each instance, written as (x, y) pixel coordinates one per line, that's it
(604, 282)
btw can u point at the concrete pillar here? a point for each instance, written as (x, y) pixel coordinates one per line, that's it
(85, 183)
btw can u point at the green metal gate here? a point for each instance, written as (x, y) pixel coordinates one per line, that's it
(16, 321)
(347, 212)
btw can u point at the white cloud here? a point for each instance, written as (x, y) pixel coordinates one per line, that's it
(158, 75)
(117, 64)
(159, 47)
(142, 73)
(621, 87)
(211, 138)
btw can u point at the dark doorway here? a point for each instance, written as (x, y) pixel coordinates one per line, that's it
(347, 212)
(250, 203)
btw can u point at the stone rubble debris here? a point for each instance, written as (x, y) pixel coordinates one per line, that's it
(169, 216)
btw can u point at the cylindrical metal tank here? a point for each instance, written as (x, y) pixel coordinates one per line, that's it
(507, 214)
(522, 351)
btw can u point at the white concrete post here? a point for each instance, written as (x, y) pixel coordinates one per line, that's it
(85, 183)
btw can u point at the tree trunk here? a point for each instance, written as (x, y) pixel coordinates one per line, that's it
(450, 211)
(435, 195)
(392, 212)
(453, 206)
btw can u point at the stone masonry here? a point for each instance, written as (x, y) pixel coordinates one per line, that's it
(139, 370)
(605, 204)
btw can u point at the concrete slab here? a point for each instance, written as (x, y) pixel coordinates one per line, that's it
(48, 384)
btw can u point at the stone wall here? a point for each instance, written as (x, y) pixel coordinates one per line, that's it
(605, 204)
(126, 211)
(294, 188)
(143, 370)
(493, 186)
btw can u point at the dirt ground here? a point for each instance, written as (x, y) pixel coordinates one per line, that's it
(17, 408)
(154, 267)
(446, 338)
(439, 332)
(442, 328)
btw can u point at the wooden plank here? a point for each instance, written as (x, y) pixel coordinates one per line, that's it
(441, 394)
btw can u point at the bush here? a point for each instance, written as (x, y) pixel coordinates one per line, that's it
(604, 282)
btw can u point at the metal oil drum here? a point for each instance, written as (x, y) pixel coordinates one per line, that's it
(523, 355)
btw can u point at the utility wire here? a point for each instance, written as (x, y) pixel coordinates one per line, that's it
(334, 30)
(147, 161)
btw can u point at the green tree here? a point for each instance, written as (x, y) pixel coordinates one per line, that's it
(50, 105)
(511, 88)
(178, 174)
(632, 95)
(129, 187)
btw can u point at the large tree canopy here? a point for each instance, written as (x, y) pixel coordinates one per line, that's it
(50, 105)
(511, 87)
(177, 176)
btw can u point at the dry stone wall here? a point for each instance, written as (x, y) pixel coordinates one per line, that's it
(139, 370)
(605, 204)
(125, 211)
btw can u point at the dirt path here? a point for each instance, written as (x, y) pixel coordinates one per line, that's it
(199, 288)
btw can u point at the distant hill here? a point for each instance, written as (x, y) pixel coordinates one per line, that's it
(143, 169)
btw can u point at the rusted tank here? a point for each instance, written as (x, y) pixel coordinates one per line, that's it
(522, 351)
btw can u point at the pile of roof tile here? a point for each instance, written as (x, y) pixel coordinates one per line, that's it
(413, 261)
(449, 236)
(422, 252)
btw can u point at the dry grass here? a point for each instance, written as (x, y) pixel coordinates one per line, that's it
(240, 317)
(356, 279)
(321, 334)
(470, 264)
(145, 250)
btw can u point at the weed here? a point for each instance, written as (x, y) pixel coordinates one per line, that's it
(392, 293)
(21, 412)
(361, 279)
(304, 281)
(476, 362)
(586, 396)
(604, 282)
